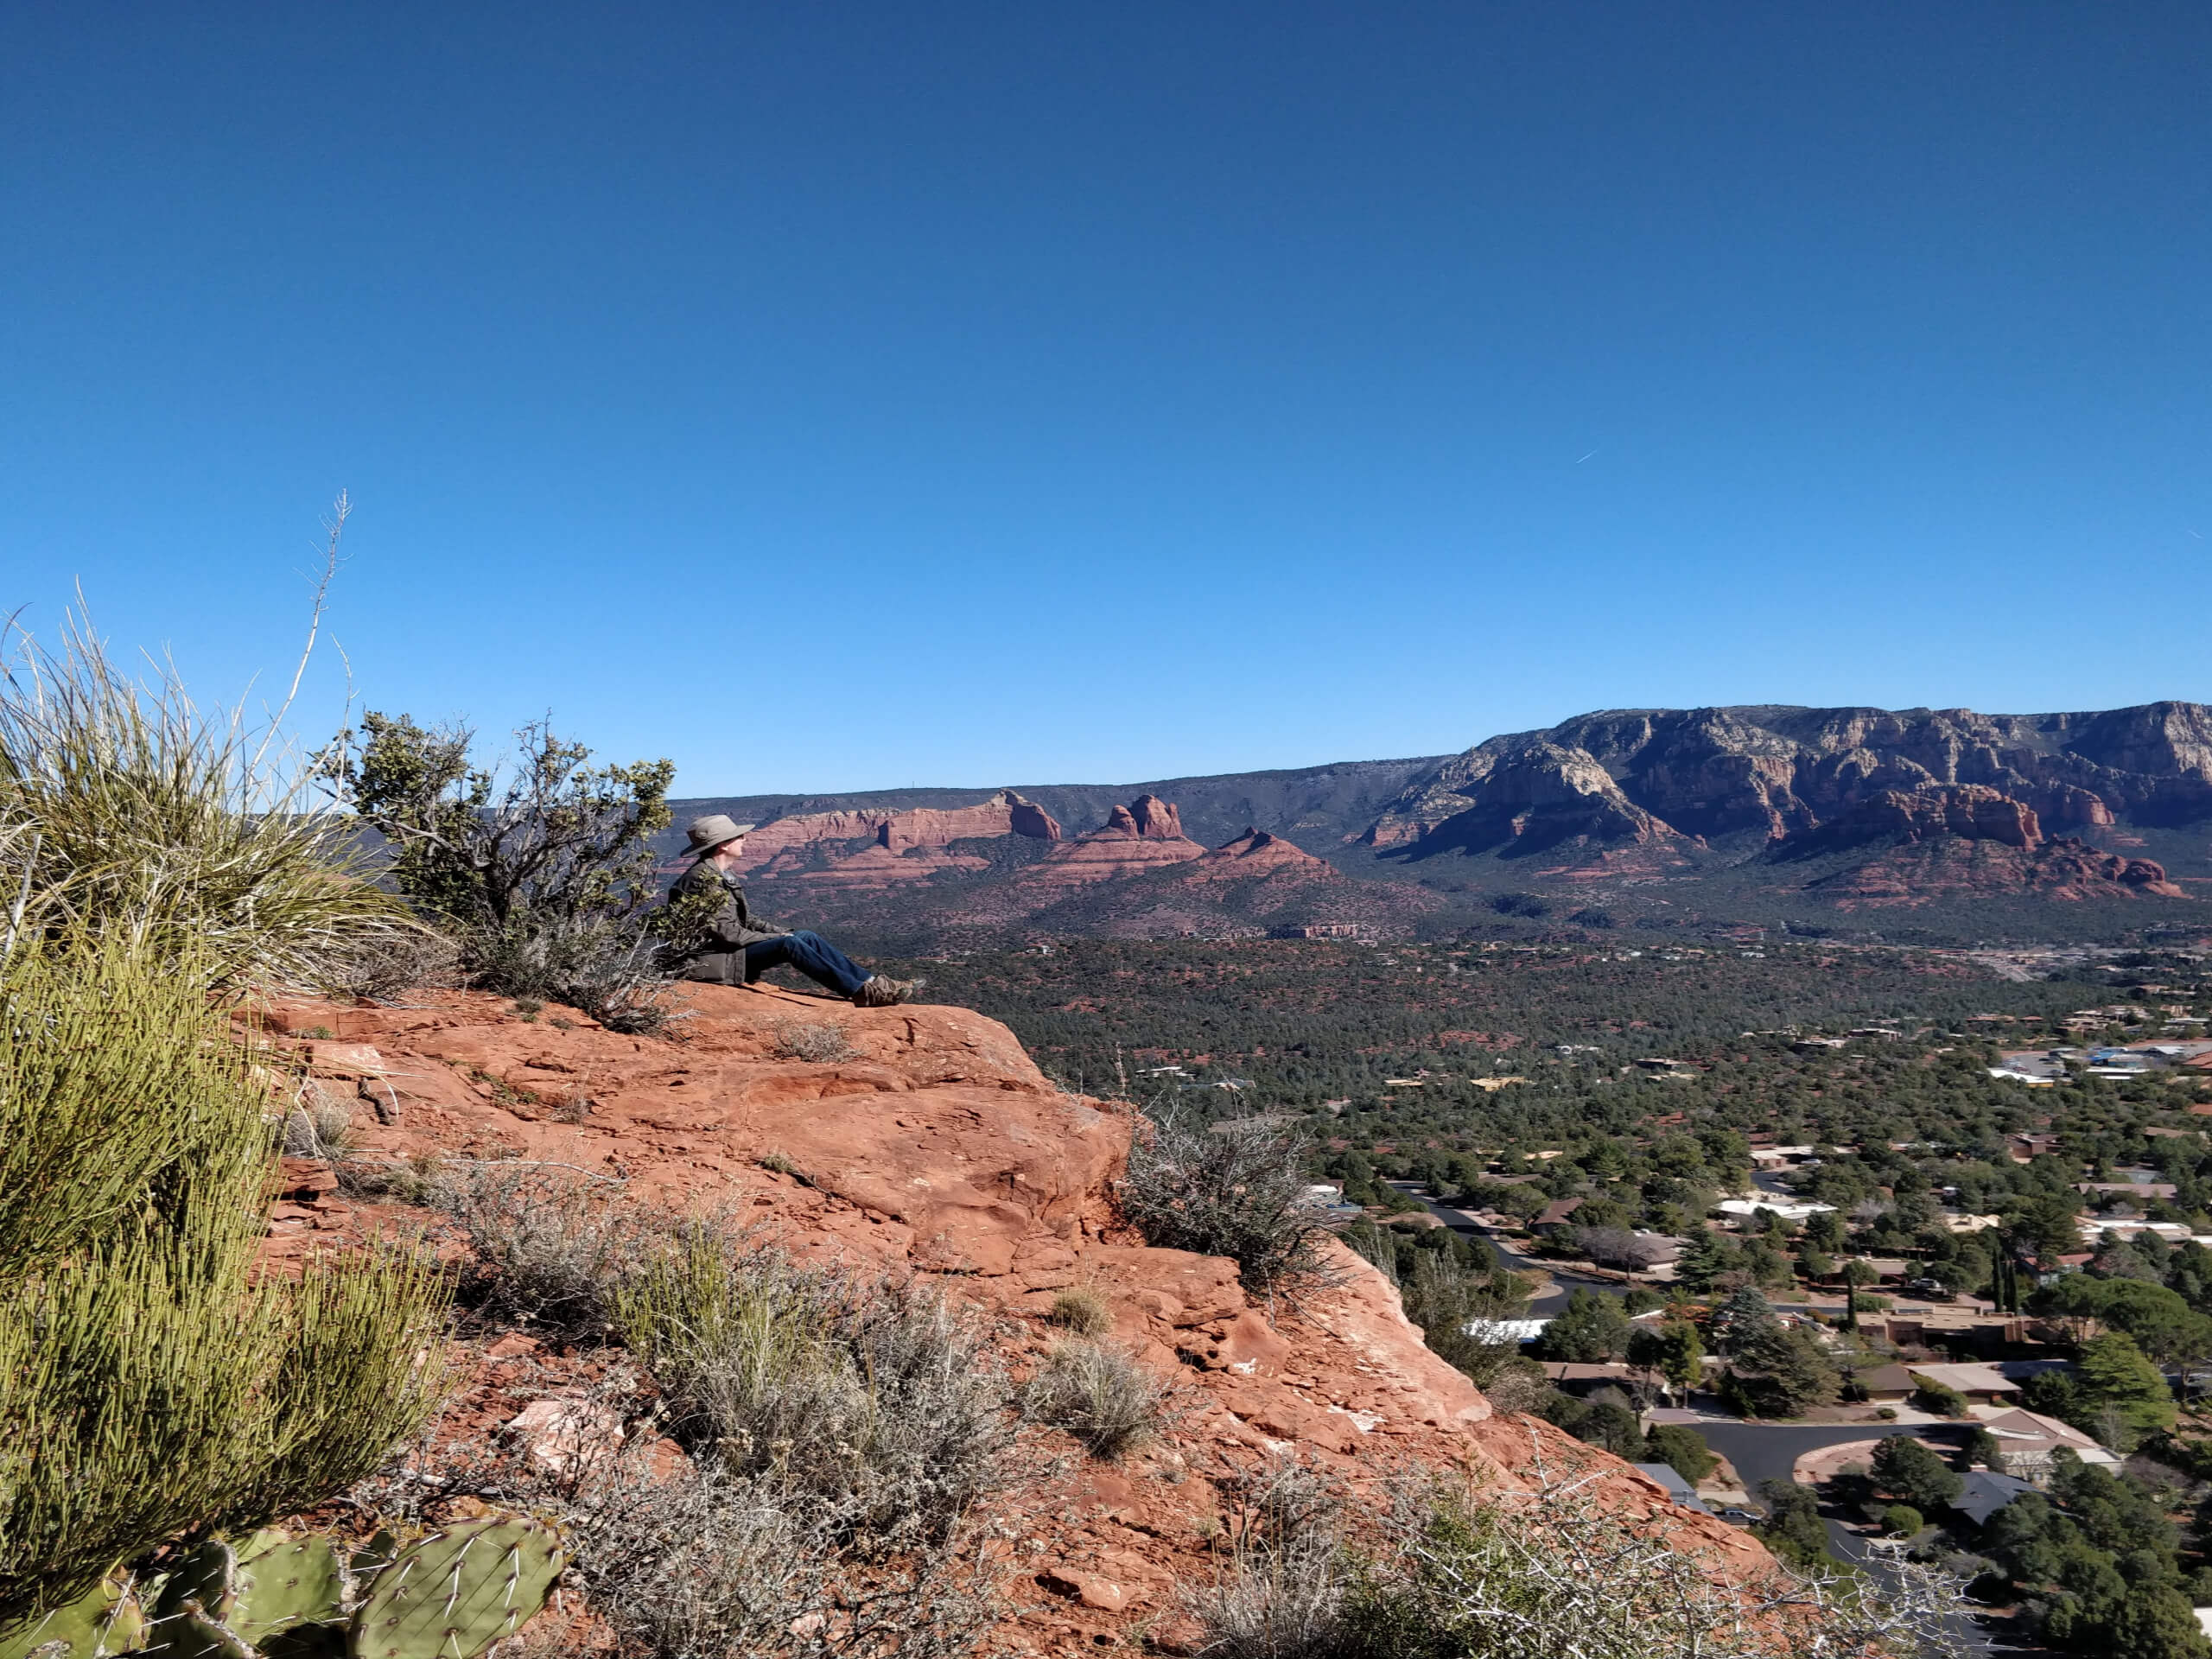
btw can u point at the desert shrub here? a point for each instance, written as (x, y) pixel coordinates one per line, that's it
(1902, 1521)
(543, 869)
(799, 1040)
(1461, 1310)
(319, 1125)
(1238, 1189)
(547, 1247)
(1081, 1309)
(1097, 1394)
(1280, 1593)
(383, 969)
(151, 1381)
(126, 807)
(875, 1395)
(712, 1566)
(1535, 1576)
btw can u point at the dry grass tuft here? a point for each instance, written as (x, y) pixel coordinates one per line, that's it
(818, 1045)
(1099, 1394)
(126, 807)
(876, 1396)
(1082, 1310)
(549, 1247)
(1238, 1189)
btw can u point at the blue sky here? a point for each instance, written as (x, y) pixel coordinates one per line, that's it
(841, 396)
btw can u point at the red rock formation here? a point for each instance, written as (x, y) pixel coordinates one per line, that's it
(1156, 820)
(803, 831)
(940, 1147)
(785, 842)
(1005, 814)
(2067, 870)
(1256, 853)
(1144, 836)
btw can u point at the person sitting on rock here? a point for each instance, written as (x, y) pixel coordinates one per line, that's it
(738, 947)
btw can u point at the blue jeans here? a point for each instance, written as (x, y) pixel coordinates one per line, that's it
(812, 955)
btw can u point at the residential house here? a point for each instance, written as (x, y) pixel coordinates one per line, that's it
(1887, 1385)
(1669, 1480)
(1983, 1493)
(1983, 1385)
(2028, 1439)
(1559, 1213)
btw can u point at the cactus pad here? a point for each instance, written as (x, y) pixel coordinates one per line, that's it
(453, 1594)
(207, 1575)
(103, 1621)
(283, 1581)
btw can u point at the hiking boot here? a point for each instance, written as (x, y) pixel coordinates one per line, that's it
(883, 992)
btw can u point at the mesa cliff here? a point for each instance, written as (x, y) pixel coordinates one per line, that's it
(1753, 813)
(935, 1146)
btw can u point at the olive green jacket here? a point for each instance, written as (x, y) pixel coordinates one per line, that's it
(720, 956)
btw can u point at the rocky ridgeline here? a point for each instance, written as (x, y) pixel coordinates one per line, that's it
(1810, 782)
(936, 1146)
(1704, 773)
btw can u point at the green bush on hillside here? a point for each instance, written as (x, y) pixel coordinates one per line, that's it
(543, 870)
(151, 1383)
(126, 808)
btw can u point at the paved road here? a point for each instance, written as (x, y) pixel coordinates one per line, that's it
(1770, 1451)
(1542, 1307)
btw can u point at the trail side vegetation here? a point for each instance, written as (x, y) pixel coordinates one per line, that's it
(154, 1382)
(539, 866)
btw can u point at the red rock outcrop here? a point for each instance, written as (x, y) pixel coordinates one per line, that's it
(1005, 813)
(1143, 835)
(2067, 870)
(940, 1147)
(1971, 811)
(1257, 852)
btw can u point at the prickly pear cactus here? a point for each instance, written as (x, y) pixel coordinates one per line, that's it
(453, 1594)
(105, 1620)
(191, 1613)
(206, 1580)
(283, 1581)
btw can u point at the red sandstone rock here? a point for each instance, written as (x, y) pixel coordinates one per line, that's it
(781, 843)
(1144, 836)
(1156, 820)
(941, 1148)
(1256, 853)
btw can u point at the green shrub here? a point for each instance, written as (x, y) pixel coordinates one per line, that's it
(1902, 1521)
(1914, 1474)
(1938, 1398)
(151, 1382)
(544, 870)
(1682, 1448)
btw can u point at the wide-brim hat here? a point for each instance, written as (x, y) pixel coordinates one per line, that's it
(715, 830)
